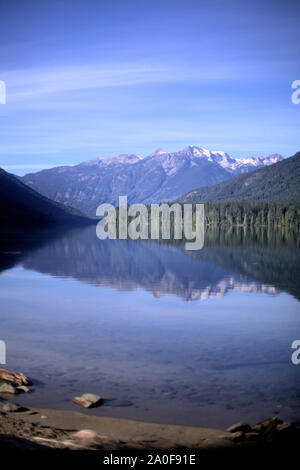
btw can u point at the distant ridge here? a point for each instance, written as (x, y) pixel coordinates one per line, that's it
(161, 176)
(277, 183)
(22, 206)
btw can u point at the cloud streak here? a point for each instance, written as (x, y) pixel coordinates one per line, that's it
(38, 83)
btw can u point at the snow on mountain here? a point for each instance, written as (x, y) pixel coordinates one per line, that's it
(270, 159)
(171, 161)
(161, 176)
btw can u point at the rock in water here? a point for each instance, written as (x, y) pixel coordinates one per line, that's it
(243, 427)
(12, 382)
(16, 379)
(88, 400)
(8, 388)
(23, 388)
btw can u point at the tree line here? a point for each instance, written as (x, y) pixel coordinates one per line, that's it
(252, 214)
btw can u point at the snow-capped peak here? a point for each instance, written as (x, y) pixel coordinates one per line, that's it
(172, 161)
(270, 159)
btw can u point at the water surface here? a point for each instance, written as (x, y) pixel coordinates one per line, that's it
(165, 335)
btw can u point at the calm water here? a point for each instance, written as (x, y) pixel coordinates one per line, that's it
(164, 335)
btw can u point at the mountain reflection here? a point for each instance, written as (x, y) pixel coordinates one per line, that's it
(230, 261)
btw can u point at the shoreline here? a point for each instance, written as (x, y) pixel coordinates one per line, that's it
(47, 429)
(44, 429)
(59, 426)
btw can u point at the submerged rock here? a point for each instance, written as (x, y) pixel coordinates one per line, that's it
(88, 400)
(114, 402)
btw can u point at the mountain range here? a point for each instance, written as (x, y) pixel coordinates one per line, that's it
(22, 206)
(278, 183)
(161, 176)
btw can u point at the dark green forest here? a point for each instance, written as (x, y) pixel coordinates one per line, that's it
(252, 214)
(252, 218)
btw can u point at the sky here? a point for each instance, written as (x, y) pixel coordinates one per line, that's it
(88, 79)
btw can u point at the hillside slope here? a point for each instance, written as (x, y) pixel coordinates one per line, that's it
(22, 206)
(276, 183)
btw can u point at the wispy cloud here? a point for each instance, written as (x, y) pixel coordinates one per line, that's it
(37, 83)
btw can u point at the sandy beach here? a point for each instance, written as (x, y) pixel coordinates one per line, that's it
(38, 429)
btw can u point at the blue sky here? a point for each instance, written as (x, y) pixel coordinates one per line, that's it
(93, 78)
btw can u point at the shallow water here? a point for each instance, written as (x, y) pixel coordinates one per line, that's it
(199, 338)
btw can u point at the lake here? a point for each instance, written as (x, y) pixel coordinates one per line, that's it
(164, 335)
